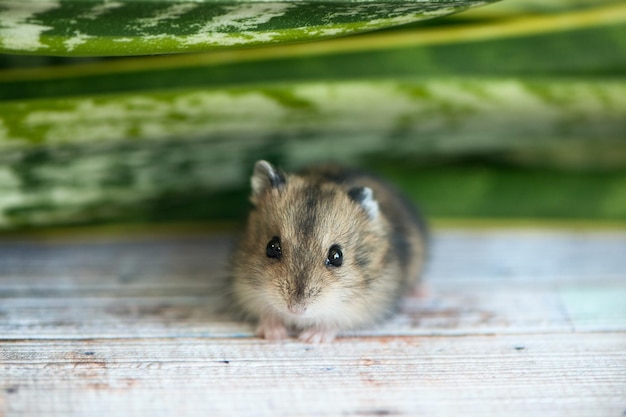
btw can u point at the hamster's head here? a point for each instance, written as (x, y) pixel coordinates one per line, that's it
(310, 249)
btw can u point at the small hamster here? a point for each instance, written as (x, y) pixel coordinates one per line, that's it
(325, 250)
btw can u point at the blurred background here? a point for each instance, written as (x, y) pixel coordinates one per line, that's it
(512, 111)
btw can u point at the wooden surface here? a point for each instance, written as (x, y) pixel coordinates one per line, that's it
(513, 323)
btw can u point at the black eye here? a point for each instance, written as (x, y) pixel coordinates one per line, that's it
(273, 248)
(335, 257)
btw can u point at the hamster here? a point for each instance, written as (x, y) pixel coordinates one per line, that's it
(325, 250)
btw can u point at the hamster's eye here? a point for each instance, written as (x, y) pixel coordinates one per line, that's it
(335, 257)
(273, 249)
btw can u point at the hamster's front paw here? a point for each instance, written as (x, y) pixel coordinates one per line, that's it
(271, 328)
(317, 335)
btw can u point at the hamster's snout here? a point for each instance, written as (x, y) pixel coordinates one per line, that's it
(297, 309)
(296, 303)
(299, 294)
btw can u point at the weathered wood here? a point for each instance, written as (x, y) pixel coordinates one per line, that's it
(479, 283)
(514, 323)
(521, 375)
(119, 261)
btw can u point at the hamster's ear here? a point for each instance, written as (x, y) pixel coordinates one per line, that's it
(365, 198)
(264, 178)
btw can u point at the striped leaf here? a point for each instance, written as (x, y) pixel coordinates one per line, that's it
(97, 161)
(532, 45)
(127, 27)
(433, 113)
(153, 138)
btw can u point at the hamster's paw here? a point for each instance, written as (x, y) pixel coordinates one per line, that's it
(316, 335)
(271, 329)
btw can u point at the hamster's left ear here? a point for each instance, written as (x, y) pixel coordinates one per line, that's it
(365, 198)
(264, 178)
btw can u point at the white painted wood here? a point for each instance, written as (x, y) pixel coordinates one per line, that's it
(125, 263)
(521, 375)
(514, 323)
(472, 312)
(115, 264)
(595, 307)
(478, 283)
(543, 257)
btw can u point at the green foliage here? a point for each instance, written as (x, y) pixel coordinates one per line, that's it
(535, 89)
(126, 27)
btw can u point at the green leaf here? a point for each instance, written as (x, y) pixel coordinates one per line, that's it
(105, 155)
(516, 8)
(435, 113)
(174, 137)
(126, 27)
(540, 48)
(195, 180)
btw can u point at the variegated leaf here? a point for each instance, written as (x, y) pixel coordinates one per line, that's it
(126, 27)
(84, 171)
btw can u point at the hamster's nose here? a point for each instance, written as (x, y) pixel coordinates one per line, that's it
(297, 309)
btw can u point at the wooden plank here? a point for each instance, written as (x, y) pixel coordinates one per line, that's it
(514, 375)
(515, 323)
(591, 306)
(119, 262)
(543, 257)
(463, 311)
(540, 257)
(453, 313)
(479, 283)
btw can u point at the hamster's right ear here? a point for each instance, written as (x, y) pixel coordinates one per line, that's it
(364, 196)
(264, 178)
